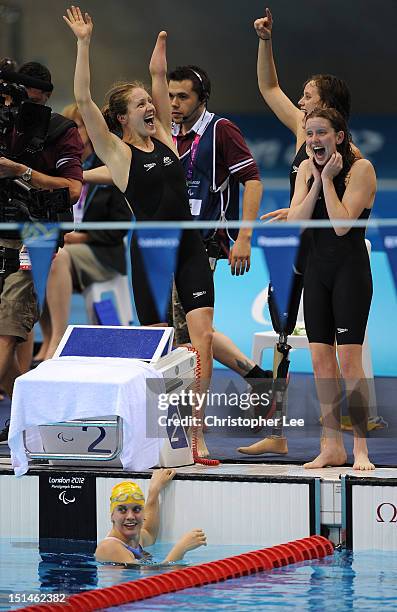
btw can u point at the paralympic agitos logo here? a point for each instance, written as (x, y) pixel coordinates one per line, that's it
(64, 499)
(386, 513)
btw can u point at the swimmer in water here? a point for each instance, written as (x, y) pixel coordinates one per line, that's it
(136, 524)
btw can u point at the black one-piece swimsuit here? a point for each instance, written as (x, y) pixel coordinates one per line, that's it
(337, 281)
(157, 191)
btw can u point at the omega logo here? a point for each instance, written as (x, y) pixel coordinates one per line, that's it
(388, 514)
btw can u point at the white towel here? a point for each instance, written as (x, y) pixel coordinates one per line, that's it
(68, 388)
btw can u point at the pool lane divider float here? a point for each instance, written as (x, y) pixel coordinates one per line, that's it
(305, 549)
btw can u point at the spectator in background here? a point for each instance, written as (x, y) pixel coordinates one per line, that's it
(6, 64)
(57, 165)
(88, 256)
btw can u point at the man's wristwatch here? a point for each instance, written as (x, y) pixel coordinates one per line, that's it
(27, 175)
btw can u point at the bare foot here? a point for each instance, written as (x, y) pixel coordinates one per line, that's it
(361, 462)
(327, 457)
(201, 446)
(273, 444)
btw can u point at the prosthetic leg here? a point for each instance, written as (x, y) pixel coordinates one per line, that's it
(277, 442)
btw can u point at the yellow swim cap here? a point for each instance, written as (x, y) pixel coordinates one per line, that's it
(126, 492)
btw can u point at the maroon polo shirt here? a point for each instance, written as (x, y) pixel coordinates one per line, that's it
(231, 149)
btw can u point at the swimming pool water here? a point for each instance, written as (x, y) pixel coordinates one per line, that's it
(346, 581)
(359, 582)
(24, 570)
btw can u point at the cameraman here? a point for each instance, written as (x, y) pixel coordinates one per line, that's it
(57, 165)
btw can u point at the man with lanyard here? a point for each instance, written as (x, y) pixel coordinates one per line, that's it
(58, 165)
(216, 160)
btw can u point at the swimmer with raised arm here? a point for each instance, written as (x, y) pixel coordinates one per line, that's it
(136, 524)
(319, 91)
(156, 195)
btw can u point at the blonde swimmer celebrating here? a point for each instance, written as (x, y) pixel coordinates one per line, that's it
(135, 524)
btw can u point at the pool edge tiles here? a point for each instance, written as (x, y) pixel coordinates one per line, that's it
(216, 495)
(188, 502)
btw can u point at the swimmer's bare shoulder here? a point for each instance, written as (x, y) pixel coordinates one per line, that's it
(113, 551)
(305, 169)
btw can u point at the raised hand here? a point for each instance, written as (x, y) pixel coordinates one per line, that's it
(161, 478)
(333, 166)
(264, 26)
(193, 539)
(80, 26)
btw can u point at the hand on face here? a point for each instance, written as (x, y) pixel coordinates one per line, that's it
(314, 169)
(333, 166)
(80, 26)
(264, 25)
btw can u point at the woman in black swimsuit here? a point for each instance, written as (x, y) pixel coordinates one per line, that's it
(319, 91)
(334, 185)
(144, 165)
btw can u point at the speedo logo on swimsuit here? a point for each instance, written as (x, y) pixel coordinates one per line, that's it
(341, 330)
(197, 294)
(148, 166)
(167, 161)
(295, 169)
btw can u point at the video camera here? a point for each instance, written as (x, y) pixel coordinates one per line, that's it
(24, 128)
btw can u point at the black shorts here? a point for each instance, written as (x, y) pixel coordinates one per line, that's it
(193, 279)
(337, 298)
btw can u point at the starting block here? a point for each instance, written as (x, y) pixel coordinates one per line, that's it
(99, 440)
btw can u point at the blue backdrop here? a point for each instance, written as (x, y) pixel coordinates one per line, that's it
(240, 312)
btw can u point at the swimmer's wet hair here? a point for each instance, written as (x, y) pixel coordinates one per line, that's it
(333, 92)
